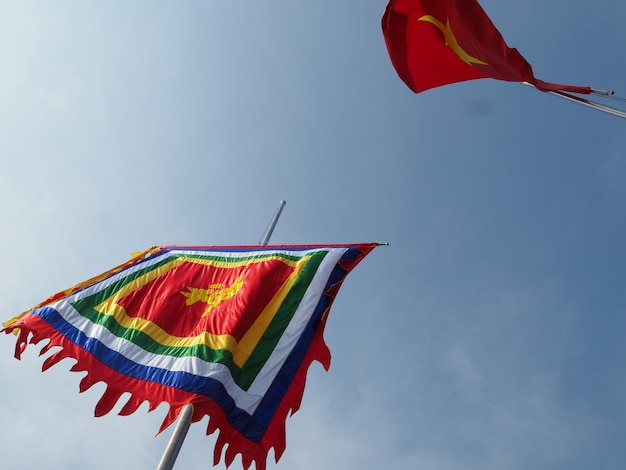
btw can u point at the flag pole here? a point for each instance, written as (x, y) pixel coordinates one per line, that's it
(270, 228)
(176, 441)
(184, 419)
(588, 103)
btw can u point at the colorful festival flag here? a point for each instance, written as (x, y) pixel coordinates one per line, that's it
(438, 42)
(230, 330)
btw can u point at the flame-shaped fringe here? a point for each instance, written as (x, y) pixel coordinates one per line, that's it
(21, 342)
(54, 359)
(86, 383)
(46, 348)
(246, 460)
(131, 406)
(229, 443)
(230, 446)
(281, 442)
(107, 402)
(170, 417)
(77, 368)
(229, 455)
(211, 427)
(219, 446)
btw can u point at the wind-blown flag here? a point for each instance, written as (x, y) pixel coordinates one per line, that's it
(438, 42)
(230, 330)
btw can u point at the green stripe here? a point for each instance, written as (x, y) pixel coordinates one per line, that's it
(280, 322)
(242, 376)
(109, 291)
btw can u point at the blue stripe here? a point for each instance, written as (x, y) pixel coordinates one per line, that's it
(252, 427)
(241, 420)
(272, 398)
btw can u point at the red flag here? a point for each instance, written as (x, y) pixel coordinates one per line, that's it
(437, 42)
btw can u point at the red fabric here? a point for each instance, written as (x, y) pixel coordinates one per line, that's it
(415, 34)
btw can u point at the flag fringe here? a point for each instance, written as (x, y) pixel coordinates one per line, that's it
(230, 442)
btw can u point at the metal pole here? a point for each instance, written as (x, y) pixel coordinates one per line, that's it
(176, 441)
(588, 103)
(184, 419)
(270, 228)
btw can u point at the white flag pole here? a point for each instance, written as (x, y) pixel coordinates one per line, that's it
(588, 103)
(270, 228)
(184, 419)
(176, 441)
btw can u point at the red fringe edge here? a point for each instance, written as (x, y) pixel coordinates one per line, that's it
(33, 329)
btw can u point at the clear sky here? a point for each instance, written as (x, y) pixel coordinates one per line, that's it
(490, 333)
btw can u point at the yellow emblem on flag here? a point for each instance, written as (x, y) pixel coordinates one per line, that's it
(451, 41)
(214, 295)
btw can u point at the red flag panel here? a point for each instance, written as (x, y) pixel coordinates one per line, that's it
(437, 42)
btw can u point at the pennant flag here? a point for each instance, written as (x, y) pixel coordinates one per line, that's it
(438, 42)
(229, 330)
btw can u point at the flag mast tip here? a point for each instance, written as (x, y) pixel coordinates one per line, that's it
(270, 228)
(602, 92)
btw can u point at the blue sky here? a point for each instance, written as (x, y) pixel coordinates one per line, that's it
(488, 335)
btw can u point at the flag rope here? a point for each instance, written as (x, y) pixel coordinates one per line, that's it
(615, 98)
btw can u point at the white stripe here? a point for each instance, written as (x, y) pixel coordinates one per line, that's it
(297, 324)
(245, 400)
(99, 286)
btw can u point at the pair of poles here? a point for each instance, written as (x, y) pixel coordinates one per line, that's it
(184, 419)
(589, 103)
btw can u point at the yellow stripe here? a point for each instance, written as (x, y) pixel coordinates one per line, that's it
(13, 320)
(240, 352)
(253, 335)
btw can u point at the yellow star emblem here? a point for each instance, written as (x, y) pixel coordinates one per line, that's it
(450, 40)
(214, 295)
